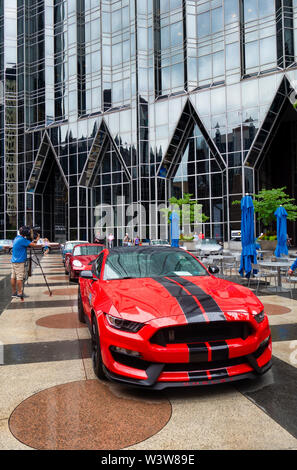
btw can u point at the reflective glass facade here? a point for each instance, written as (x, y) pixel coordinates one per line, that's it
(120, 104)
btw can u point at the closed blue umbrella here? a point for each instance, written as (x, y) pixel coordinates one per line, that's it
(248, 253)
(174, 219)
(281, 220)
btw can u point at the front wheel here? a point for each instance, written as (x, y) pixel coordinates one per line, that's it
(70, 276)
(96, 352)
(80, 309)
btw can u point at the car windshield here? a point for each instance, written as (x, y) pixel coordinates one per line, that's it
(159, 242)
(87, 250)
(209, 241)
(142, 263)
(70, 246)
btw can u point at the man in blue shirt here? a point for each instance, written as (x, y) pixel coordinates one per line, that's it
(18, 259)
(292, 268)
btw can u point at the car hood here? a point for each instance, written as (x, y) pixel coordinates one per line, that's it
(148, 299)
(85, 259)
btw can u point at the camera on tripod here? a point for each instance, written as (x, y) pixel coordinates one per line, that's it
(31, 233)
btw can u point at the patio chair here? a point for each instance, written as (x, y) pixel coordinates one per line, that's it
(263, 274)
(228, 264)
(291, 280)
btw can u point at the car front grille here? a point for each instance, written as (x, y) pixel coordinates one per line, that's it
(202, 332)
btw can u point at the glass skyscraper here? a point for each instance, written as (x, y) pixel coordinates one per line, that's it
(120, 104)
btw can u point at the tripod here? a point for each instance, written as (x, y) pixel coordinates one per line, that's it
(28, 272)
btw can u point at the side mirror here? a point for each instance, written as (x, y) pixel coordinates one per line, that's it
(214, 269)
(87, 275)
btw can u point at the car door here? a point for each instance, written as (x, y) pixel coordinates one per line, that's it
(92, 290)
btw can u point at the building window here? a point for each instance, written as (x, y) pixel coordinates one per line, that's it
(259, 36)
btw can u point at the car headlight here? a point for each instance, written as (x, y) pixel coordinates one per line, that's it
(259, 316)
(124, 325)
(77, 263)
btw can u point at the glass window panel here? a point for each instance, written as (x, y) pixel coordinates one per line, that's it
(165, 38)
(218, 64)
(231, 11)
(267, 51)
(176, 34)
(217, 20)
(232, 55)
(252, 54)
(203, 24)
(266, 7)
(177, 75)
(204, 67)
(250, 9)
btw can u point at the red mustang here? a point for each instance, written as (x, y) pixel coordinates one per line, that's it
(81, 258)
(158, 318)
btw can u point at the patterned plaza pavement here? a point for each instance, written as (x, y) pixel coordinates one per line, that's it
(50, 398)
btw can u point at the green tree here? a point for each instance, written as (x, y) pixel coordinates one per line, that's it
(187, 209)
(267, 201)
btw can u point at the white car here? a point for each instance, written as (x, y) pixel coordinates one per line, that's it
(68, 247)
(208, 246)
(160, 242)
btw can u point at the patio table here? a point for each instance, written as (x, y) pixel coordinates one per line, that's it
(278, 265)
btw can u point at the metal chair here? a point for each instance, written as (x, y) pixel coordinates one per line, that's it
(262, 274)
(228, 264)
(291, 280)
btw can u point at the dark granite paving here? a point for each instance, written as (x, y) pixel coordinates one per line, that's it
(286, 332)
(42, 284)
(42, 304)
(28, 353)
(5, 290)
(275, 393)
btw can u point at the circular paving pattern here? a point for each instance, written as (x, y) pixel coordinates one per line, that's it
(65, 291)
(87, 415)
(274, 309)
(61, 320)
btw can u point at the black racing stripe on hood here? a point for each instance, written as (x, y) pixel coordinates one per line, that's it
(206, 301)
(187, 303)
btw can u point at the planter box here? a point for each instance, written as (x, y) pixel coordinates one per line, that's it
(268, 244)
(190, 245)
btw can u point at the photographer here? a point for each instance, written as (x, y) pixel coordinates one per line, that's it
(19, 257)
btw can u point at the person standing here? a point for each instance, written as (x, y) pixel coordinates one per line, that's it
(126, 240)
(136, 241)
(110, 240)
(18, 259)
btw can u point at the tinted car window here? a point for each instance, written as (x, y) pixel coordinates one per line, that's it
(152, 264)
(87, 250)
(98, 265)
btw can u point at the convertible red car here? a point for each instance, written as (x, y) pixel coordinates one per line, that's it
(159, 319)
(81, 258)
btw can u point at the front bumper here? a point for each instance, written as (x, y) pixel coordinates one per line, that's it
(176, 365)
(199, 379)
